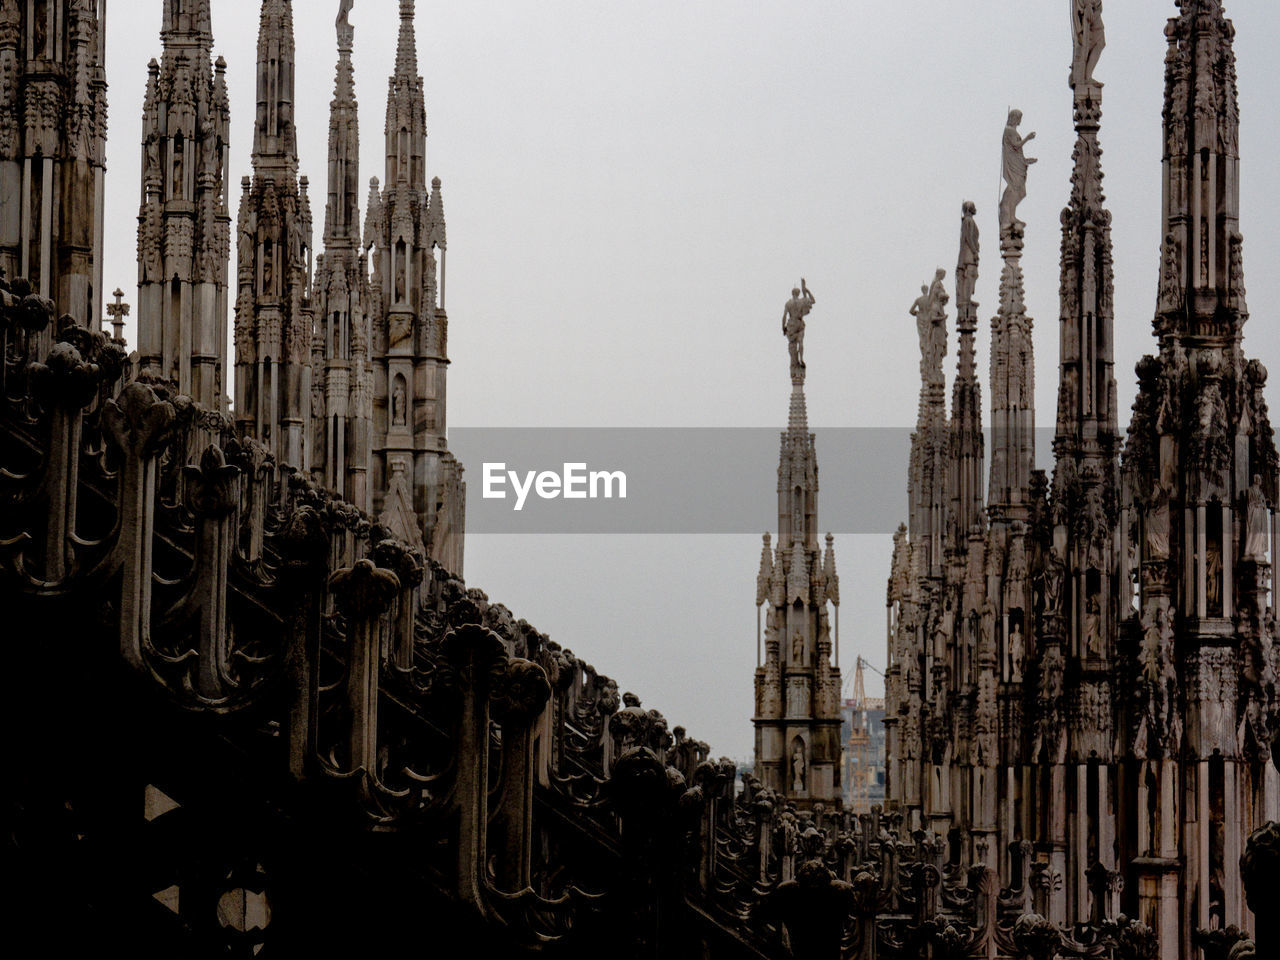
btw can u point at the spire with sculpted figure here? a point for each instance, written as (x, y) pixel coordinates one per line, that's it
(797, 684)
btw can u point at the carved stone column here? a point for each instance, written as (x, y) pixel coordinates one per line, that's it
(478, 660)
(256, 467)
(408, 567)
(64, 384)
(305, 544)
(363, 592)
(136, 422)
(213, 489)
(524, 692)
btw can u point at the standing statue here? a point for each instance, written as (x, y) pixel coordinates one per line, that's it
(344, 9)
(397, 404)
(1089, 38)
(1255, 523)
(151, 175)
(1051, 578)
(967, 265)
(1213, 579)
(921, 311)
(793, 315)
(1093, 627)
(1017, 654)
(938, 298)
(179, 184)
(1015, 172)
(1158, 523)
(929, 309)
(797, 769)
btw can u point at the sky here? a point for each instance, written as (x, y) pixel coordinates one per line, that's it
(632, 190)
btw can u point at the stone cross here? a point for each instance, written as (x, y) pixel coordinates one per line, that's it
(117, 312)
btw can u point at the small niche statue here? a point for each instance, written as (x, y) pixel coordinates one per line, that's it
(397, 404)
(797, 769)
(1256, 522)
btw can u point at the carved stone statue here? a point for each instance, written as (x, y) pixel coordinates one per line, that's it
(1017, 654)
(152, 173)
(793, 314)
(1093, 627)
(1015, 172)
(1089, 38)
(1054, 571)
(179, 184)
(920, 310)
(1158, 524)
(399, 329)
(268, 287)
(1213, 579)
(929, 309)
(1255, 523)
(967, 265)
(797, 769)
(344, 9)
(397, 404)
(797, 649)
(1170, 275)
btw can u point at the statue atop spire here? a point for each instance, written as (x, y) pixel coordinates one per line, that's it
(930, 312)
(793, 315)
(1090, 38)
(797, 715)
(965, 446)
(967, 263)
(346, 33)
(1014, 170)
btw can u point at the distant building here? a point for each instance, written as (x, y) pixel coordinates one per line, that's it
(862, 734)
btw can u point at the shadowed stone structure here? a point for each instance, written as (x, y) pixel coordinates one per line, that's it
(1089, 706)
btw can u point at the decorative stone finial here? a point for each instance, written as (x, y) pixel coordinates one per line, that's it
(117, 312)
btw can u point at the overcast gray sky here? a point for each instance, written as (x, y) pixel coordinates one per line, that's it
(631, 192)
